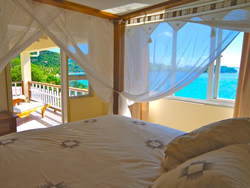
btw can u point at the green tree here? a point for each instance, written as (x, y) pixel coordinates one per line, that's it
(16, 73)
(37, 74)
(51, 79)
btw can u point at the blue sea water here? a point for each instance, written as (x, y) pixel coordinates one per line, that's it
(198, 88)
(85, 82)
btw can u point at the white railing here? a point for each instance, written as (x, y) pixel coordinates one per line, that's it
(45, 93)
(17, 88)
(49, 93)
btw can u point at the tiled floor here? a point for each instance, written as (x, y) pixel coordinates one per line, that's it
(35, 120)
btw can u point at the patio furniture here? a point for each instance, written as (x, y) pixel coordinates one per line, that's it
(24, 109)
(18, 99)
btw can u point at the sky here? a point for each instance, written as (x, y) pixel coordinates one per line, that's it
(83, 47)
(55, 50)
(232, 55)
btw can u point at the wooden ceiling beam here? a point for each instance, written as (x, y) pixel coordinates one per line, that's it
(155, 8)
(80, 8)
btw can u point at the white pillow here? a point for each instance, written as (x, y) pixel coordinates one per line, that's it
(228, 167)
(205, 139)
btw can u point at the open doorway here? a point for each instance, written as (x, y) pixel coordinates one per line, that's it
(36, 86)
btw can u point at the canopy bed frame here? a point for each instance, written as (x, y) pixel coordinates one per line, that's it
(119, 33)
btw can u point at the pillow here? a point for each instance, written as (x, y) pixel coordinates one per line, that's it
(227, 167)
(205, 139)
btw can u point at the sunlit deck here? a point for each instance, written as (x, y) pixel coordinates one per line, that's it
(43, 93)
(35, 120)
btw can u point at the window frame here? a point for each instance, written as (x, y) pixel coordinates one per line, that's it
(79, 77)
(213, 83)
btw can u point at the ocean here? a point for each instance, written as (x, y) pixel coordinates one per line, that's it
(198, 88)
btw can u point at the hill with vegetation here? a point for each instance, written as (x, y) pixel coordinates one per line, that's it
(167, 68)
(44, 68)
(225, 69)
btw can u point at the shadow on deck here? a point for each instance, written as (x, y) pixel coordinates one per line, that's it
(35, 120)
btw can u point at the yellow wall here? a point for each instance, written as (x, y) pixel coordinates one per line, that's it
(105, 108)
(85, 108)
(43, 44)
(186, 116)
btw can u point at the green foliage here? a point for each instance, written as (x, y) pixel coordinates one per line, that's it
(48, 62)
(73, 67)
(44, 68)
(53, 80)
(40, 71)
(15, 66)
(16, 73)
(15, 62)
(37, 74)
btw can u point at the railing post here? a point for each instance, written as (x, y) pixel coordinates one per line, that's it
(23, 88)
(56, 97)
(29, 88)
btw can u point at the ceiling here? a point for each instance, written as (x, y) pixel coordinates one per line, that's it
(119, 7)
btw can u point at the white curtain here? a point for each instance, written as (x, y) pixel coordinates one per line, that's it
(162, 58)
(17, 32)
(88, 40)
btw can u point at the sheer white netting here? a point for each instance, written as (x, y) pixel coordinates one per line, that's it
(17, 32)
(162, 58)
(88, 40)
(177, 53)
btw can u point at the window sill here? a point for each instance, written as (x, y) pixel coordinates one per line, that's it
(214, 102)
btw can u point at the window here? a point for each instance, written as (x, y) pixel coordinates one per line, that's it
(218, 84)
(78, 81)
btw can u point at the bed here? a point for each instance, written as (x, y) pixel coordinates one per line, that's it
(108, 151)
(118, 152)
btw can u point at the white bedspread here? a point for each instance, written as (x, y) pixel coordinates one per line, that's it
(104, 152)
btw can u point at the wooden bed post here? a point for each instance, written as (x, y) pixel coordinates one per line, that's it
(119, 41)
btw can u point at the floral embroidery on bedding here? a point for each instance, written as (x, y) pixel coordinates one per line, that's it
(7, 141)
(153, 144)
(51, 185)
(90, 121)
(139, 122)
(70, 144)
(195, 170)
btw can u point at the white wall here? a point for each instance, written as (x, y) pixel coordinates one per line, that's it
(186, 116)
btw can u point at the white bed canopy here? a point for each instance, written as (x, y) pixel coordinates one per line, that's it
(160, 57)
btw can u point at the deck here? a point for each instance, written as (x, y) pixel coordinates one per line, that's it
(35, 120)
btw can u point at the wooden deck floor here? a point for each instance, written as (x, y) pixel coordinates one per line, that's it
(35, 120)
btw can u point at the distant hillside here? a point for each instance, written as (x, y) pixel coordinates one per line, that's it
(73, 67)
(225, 69)
(44, 68)
(163, 67)
(51, 61)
